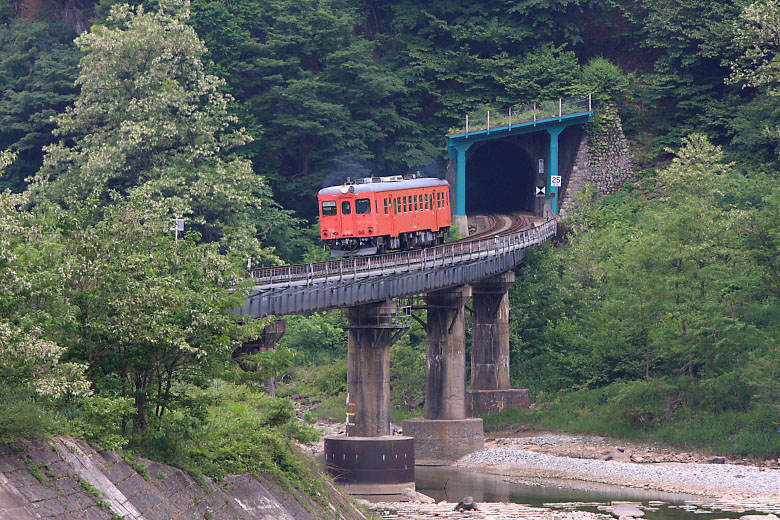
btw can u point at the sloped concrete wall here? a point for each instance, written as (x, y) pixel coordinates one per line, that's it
(66, 479)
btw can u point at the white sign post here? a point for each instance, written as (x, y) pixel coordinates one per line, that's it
(555, 181)
(178, 225)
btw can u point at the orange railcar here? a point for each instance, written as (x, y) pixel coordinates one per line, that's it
(384, 213)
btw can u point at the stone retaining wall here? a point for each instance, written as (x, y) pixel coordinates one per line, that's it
(602, 160)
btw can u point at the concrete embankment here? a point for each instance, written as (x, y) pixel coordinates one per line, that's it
(67, 479)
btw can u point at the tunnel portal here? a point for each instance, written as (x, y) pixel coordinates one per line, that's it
(499, 179)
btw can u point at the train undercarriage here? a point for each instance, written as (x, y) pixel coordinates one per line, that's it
(363, 246)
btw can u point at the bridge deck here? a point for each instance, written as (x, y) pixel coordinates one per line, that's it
(319, 286)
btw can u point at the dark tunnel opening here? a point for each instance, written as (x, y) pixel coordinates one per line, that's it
(500, 178)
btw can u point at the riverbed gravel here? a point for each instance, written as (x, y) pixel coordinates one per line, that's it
(714, 479)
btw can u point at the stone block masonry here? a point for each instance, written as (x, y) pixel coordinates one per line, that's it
(602, 160)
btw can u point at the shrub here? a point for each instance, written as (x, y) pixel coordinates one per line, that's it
(644, 403)
(21, 417)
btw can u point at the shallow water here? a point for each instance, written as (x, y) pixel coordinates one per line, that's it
(452, 483)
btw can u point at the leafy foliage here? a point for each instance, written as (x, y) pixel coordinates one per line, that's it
(38, 66)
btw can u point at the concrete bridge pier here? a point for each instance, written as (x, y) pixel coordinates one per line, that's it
(445, 434)
(490, 391)
(368, 460)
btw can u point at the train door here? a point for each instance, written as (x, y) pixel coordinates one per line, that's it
(347, 213)
(365, 215)
(436, 210)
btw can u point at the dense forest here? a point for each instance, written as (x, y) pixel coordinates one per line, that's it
(656, 314)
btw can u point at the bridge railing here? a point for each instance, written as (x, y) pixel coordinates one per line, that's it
(490, 119)
(428, 258)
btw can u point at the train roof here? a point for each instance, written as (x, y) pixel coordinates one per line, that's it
(386, 185)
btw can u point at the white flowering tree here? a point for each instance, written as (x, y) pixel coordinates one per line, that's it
(757, 37)
(150, 119)
(28, 359)
(147, 141)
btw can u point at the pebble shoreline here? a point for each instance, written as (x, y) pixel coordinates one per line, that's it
(717, 477)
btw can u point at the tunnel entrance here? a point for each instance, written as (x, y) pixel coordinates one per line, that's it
(499, 179)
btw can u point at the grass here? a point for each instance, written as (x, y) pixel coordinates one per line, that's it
(750, 434)
(98, 497)
(137, 465)
(21, 417)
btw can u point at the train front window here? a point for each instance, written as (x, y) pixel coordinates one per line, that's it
(328, 208)
(346, 208)
(362, 206)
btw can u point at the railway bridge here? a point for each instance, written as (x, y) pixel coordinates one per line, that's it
(369, 459)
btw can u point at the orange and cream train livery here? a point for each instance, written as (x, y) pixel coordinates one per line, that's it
(377, 214)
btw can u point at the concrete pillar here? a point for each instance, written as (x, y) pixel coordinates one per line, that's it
(490, 387)
(368, 369)
(369, 460)
(553, 191)
(459, 219)
(490, 333)
(445, 434)
(445, 377)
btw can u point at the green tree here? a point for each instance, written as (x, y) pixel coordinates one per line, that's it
(145, 142)
(29, 305)
(150, 119)
(306, 82)
(38, 67)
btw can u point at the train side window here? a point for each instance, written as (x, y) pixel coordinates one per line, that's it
(328, 208)
(438, 199)
(363, 206)
(346, 208)
(395, 208)
(387, 208)
(415, 202)
(426, 200)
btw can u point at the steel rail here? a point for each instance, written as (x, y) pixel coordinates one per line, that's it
(431, 258)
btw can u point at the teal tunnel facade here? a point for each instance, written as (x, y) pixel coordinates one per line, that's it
(494, 166)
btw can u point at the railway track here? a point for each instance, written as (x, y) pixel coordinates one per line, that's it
(504, 233)
(499, 225)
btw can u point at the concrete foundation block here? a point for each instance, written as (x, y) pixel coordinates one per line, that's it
(371, 465)
(438, 442)
(461, 224)
(483, 402)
